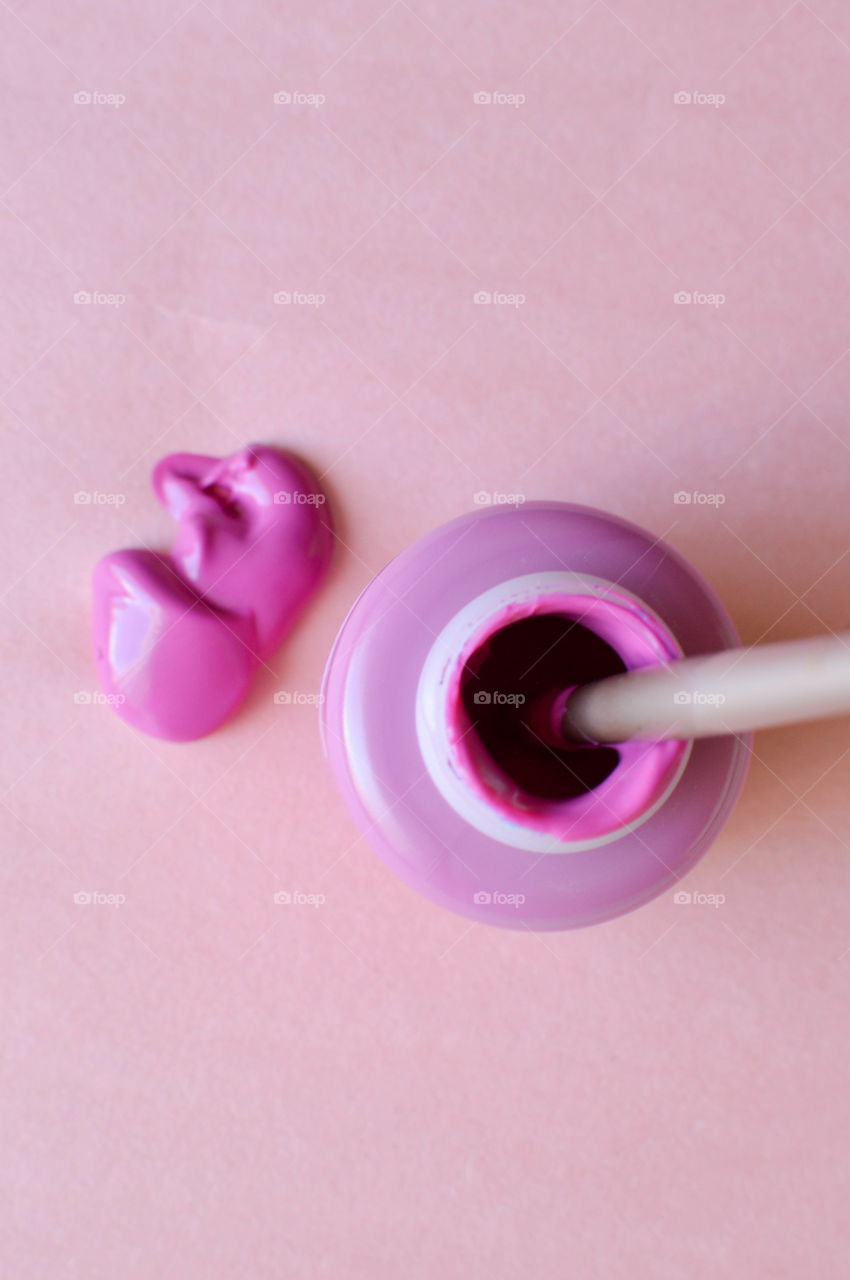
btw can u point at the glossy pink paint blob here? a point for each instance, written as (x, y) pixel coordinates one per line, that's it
(177, 636)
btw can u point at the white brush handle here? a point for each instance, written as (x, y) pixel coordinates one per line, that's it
(728, 692)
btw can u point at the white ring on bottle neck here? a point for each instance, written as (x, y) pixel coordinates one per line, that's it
(484, 615)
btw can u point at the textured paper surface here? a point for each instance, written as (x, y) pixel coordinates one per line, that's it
(200, 1082)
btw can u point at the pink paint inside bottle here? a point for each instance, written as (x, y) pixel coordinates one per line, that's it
(528, 647)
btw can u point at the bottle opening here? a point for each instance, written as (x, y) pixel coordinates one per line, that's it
(508, 673)
(482, 723)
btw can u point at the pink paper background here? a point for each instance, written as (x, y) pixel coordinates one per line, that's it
(199, 1083)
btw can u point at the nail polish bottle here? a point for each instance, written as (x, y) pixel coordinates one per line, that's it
(424, 717)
